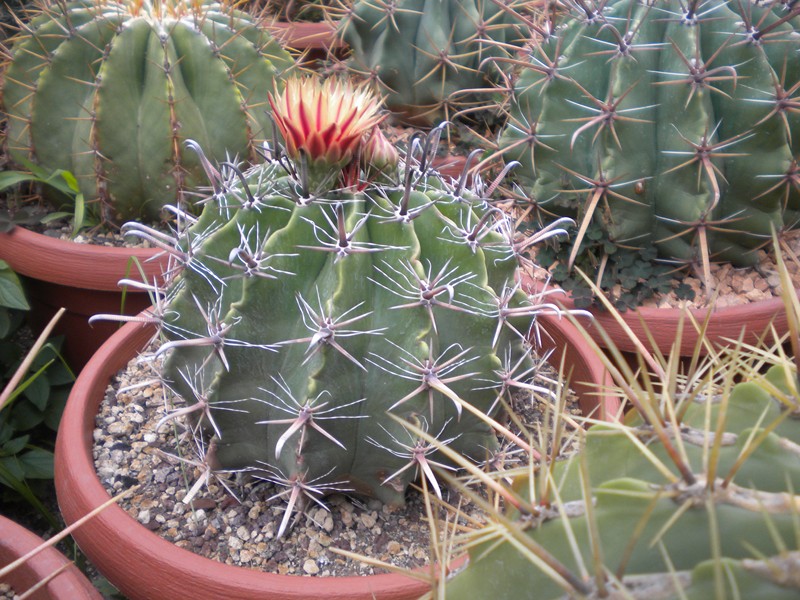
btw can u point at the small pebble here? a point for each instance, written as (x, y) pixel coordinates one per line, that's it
(369, 519)
(234, 543)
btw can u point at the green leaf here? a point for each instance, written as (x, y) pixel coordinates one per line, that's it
(5, 323)
(6, 431)
(55, 408)
(21, 487)
(38, 390)
(55, 216)
(11, 472)
(30, 380)
(11, 294)
(595, 235)
(71, 181)
(14, 446)
(58, 179)
(37, 463)
(79, 219)
(58, 373)
(25, 416)
(11, 178)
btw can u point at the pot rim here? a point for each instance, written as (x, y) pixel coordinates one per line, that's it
(72, 264)
(306, 35)
(70, 584)
(725, 323)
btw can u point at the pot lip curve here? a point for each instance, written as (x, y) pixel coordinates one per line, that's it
(79, 491)
(84, 492)
(770, 304)
(725, 323)
(16, 541)
(306, 35)
(86, 266)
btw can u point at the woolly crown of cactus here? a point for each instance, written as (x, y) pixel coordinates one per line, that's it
(111, 89)
(674, 123)
(310, 324)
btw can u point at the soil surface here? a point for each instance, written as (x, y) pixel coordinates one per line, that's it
(731, 286)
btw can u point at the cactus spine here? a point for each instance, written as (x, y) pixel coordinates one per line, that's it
(674, 123)
(110, 90)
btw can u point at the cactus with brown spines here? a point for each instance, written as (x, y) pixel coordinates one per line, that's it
(701, 503)
(110, 90)
(694, 493)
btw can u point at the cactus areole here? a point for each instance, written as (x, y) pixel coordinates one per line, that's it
(323, 308)
(671, 122)
(110, 90)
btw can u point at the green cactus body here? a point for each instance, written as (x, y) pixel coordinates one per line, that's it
(672, 123)
(654, 530)
(400, 317)
(111, 90)
(424, 51)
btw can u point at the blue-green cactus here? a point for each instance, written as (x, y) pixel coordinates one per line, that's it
(319, 312)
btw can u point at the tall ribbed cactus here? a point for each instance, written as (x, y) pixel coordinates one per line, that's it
(698, 501)
(671, 122)
(427, 53)
(329, 296)
(110, 90)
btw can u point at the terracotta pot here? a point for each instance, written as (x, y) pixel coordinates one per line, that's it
(83, 279)
(451, 165)
(143, 565)
(306, 36)
(725, 324)
(317, 41)
(69, 584)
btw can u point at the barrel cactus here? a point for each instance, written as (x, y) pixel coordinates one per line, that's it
(672, 123)
(696, 500)
(430, 57)
(110, 90)
(335, 293)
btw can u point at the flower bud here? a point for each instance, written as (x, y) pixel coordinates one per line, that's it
(379, 154)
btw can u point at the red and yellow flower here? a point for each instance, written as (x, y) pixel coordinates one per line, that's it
(327, 122)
